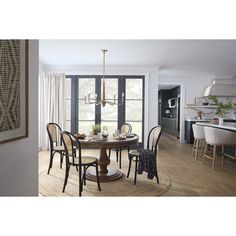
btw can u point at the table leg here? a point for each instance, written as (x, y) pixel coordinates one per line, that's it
(103, 161)
(105, 174)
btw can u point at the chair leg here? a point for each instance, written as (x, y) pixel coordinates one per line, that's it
(84, 176)
(109, 152)
(222, 154)
(66, 177)
(130, 161)
(80, 182)
(136, 168)
(98, 181)
(120, 159)
(196, 149)
(205, 153)
(157, 177)
(51, 161)
(117, 153)
(193, 149)
(214, 157)
(61, 159)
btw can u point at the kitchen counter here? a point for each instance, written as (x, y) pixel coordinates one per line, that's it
(197, 120)
(207, 120)
(226, 126)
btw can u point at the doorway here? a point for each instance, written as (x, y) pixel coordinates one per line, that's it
(170, 109)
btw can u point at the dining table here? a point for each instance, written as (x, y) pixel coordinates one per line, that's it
(106, 174)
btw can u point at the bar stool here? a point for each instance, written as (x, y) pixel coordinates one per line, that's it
(217, 137)
(199, 139)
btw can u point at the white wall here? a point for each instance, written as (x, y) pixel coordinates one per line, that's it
(19, 159)
(151, 85)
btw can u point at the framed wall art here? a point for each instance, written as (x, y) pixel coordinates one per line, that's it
(13, 90)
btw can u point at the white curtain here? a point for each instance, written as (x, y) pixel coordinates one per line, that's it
(52, 104)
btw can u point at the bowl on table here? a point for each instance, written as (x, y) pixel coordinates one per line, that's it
(104, 135)
(80, 136)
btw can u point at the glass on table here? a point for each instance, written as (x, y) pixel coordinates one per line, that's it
(117, 132)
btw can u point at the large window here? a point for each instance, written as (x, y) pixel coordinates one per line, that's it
(80, 116)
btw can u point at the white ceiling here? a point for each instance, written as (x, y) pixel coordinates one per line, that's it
(218, 55)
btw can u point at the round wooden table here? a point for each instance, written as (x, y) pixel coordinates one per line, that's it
(106, 174)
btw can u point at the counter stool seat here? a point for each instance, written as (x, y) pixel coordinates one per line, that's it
(217, 137)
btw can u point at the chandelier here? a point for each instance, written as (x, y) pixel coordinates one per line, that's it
(103, 100)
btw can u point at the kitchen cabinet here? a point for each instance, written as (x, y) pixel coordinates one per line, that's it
(169, 125)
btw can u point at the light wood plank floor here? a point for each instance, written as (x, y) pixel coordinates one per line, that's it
(189, 177)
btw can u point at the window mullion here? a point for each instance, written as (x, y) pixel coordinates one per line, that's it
(121, 108)
(74, 103)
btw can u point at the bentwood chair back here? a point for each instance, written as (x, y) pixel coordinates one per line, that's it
(125, 128)
(153, 139)
(55, 143)
(82, 163)
(152, 145)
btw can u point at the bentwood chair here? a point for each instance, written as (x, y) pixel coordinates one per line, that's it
(217, 137)
(199, 140)
(81, 163)
(125, 128)
(55, 143)
(137, 155)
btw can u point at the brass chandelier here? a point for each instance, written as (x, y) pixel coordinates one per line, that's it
(103, 100)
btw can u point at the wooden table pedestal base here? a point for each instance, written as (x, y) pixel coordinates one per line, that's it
(111, 175)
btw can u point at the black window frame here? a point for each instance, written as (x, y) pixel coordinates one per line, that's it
(121, 108)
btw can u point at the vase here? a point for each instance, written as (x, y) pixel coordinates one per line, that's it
(221, 120)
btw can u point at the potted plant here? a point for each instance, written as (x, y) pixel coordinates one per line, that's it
(222, 108)
(96, 129)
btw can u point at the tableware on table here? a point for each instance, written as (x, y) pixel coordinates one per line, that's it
(130, 135)
(80, 136)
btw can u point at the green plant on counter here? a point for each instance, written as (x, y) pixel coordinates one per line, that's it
(222, 108)
(96, 128)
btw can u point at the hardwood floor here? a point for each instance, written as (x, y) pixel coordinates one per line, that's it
(189, 177)
(193, 178)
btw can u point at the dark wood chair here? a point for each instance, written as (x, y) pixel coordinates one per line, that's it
(55, 143)
(81, 163)
(125, 128)
(152, 142)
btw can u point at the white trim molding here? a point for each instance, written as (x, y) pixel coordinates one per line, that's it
(182, 84)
